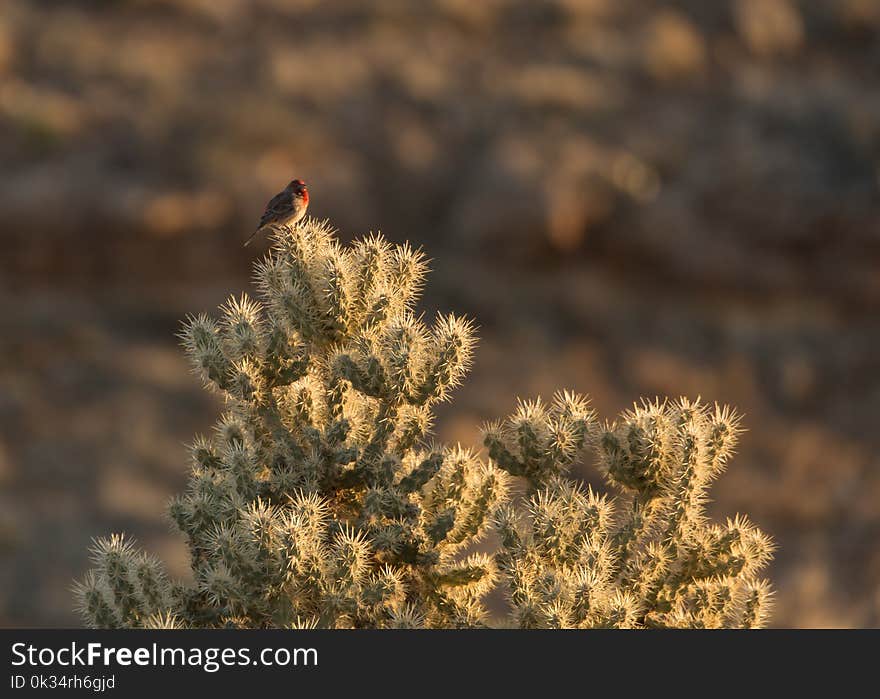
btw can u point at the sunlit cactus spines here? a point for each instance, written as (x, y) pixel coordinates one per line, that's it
(650, 558)
(318, 500)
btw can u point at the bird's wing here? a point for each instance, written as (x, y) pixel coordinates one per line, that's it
(278, 206)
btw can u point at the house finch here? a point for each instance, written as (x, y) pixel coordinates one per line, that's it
(286, 207)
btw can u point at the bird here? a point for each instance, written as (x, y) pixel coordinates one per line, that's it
(285, 208)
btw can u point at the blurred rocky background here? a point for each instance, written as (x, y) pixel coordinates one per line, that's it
(632, 197)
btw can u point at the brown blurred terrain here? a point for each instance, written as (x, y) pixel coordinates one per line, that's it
(631, 197)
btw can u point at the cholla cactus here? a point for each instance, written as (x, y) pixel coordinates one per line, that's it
(574, 559)
(317, 501)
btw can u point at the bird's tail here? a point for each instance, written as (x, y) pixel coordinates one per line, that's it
(253, 235)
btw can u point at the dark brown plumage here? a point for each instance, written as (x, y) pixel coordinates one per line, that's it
(285, 208)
